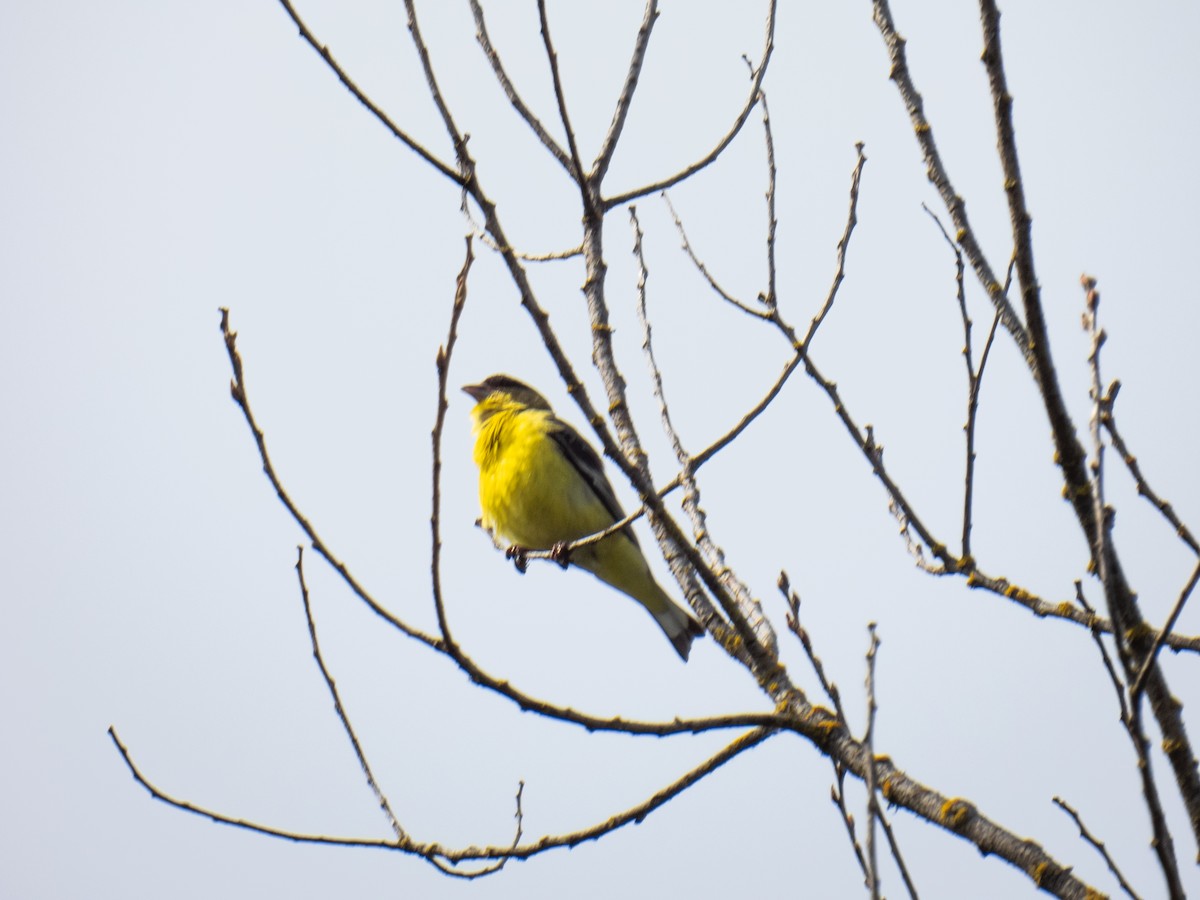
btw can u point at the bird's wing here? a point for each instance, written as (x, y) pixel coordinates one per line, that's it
(588, 464)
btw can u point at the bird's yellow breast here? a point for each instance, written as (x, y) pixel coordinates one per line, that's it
(530, 494)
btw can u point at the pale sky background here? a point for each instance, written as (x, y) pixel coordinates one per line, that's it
(159, 160)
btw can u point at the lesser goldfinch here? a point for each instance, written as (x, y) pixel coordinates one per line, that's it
(541, 485)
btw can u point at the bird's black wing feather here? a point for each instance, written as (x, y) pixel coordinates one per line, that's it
(587, 463)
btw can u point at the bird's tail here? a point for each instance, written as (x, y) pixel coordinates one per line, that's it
(618, 561)
(680, 627)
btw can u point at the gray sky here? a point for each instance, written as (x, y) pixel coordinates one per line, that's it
(161, 160)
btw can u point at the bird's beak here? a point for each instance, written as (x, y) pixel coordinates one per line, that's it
(476, 391)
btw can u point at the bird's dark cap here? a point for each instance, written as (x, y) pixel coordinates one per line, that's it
(494, 383)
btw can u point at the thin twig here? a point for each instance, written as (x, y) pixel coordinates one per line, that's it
(793, 621)
(894, 846)
(837, 793)
(445, 169)
(1162, 843)
(703, 269)
(510, 90)
(1139, 682)
(237, 389)
(1098, 844)
(451, 868)
(339, 708)
(552, 56)
(431, 850)
(691, 491)
(800, 346)
(771, 298)
(714, 554)
(1118, 686)
(869, 745)
(936, 170)
(1101, 549)
(687, 172)
(457, 138)
(1143, 487)
(974, 376)
(442, 361)
(1104, 558)
(632, 78)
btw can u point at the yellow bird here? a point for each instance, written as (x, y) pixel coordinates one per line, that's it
(541, 485)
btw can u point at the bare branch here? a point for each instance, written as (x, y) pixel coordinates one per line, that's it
(556, 78)
(974, 378)
(1098, 844)
(1102, 547)
(771, 299)
(837, 793)
(435, 851)
(237, 389)
(725, 141)
(1033, 342)
(1104, 559)
(1108, 419)
(339, 708)
(938, 176)
(442, 361)
(510, 91)
(629, 456)
(800, 346)
(1139, 682)
(632, 76)
(445, 169)
(715, 556)
(1163, 844)
(703, 269)
(793, 620)
(869, 744)
(1118, 687)
(976, 383)
(488, 241)
(895, 848)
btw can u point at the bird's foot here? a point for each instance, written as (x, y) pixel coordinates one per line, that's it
(519, 556)
(561, 554)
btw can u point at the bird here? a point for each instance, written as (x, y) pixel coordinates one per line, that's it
(542, 485)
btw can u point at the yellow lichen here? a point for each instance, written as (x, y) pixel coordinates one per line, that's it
(1039, 873)
(954, 812)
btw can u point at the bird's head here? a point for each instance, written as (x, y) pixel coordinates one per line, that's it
(503, 393)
